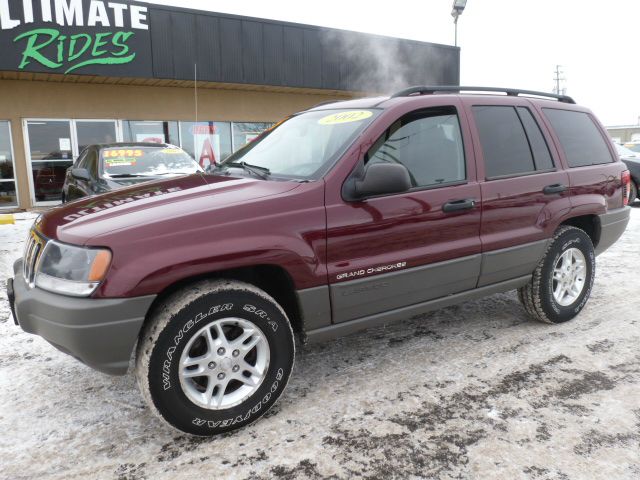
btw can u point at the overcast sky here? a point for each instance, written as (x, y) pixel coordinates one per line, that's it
(506, 43)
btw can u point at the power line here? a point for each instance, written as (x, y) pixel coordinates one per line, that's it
(557, 79)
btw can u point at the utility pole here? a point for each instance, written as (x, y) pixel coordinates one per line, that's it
(559, 78)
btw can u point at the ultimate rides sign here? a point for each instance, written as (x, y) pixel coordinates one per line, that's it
(91, 37)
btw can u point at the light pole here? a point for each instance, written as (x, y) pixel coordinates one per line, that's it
(458, 8)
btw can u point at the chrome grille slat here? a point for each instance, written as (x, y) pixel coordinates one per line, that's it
(32, 253)
(27, 256)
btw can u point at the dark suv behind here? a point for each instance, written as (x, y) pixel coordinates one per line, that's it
(342, 217)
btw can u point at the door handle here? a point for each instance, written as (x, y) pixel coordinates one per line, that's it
(458, 205)
(555, 188)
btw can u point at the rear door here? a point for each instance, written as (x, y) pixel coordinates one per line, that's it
(391, 251)
(525, 190)
(591, 158)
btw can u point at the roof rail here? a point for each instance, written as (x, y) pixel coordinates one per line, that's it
(327, 102)
(513, 92)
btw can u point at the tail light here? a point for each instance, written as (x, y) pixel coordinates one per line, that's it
(626, 187)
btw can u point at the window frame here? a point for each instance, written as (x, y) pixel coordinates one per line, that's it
(95, 172)
(14, 179)
(434, 186)
(546, 143)
(79, 161)
(514, 106)
(75, 154)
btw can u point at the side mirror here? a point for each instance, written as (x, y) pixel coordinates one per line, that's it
(380, 179)
(81, 174)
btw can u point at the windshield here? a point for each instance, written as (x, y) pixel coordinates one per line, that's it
(146, 161)
(304, 146)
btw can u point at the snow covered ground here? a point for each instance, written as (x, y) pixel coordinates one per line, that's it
(472, 391)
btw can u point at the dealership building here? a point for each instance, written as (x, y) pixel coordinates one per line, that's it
(80, 72)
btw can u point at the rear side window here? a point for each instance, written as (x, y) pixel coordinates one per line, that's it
(539, 147)
(504, 142)
(581, 140)
(427, 142)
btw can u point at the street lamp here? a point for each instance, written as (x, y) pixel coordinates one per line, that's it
(458, 8)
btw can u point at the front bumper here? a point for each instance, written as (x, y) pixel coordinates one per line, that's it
(99, 332)
(612, 226)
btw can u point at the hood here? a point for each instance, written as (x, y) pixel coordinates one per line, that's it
(153, 202)
(631, 160)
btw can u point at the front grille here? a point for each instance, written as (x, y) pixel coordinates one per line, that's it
(32, 252)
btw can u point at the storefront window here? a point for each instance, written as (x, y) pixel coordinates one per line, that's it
(92, 132)
(207, 142)
(151, 131)
(51, 154)
(8, 195)
(244, 132)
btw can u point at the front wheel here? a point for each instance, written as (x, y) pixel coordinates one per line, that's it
(562, 282)
(214, 357)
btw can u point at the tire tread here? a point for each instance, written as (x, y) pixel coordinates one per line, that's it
(164, 312)
(529, 294)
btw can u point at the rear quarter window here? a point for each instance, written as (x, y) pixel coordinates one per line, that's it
(580, 138)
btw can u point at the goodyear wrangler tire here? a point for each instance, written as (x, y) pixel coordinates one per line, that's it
(214, 357)
(562, 282)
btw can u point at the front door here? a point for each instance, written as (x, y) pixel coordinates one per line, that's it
(50, 153)
(52, 145)
(387, 252)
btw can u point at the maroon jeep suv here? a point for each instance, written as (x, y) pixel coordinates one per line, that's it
(346, 216)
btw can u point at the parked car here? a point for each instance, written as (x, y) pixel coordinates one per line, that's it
(105, 167)
(632, 161)
(633, 146)
(345, 216)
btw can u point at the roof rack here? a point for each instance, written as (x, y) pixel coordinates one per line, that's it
(512, 92)
(327, 102)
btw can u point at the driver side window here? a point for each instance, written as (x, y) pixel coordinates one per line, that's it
(428, 143)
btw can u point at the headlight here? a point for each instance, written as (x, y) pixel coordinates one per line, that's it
(71, 270)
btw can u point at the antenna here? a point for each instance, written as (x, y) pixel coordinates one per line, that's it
(195, 87)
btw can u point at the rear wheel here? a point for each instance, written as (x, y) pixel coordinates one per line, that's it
(562, 282)
(215, 357)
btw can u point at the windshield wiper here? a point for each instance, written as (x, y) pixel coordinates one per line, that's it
(262, 172)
